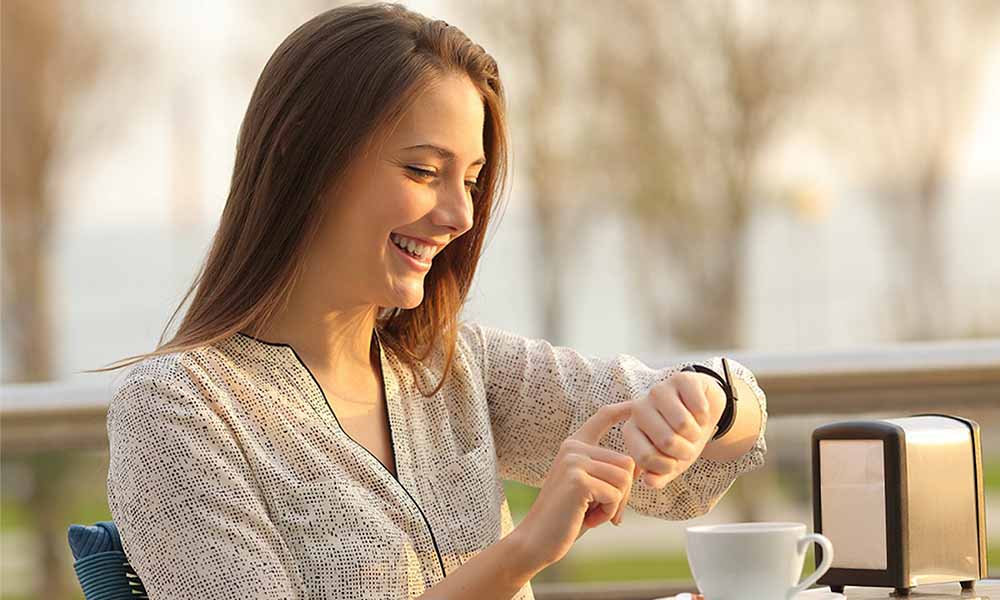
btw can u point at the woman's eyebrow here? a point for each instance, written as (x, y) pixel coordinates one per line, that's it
(444, 153)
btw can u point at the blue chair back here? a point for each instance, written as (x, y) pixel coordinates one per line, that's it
(101, 567)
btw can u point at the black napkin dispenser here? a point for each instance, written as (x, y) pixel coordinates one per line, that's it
(901, 500)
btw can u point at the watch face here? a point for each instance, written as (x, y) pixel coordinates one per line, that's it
(729, 377)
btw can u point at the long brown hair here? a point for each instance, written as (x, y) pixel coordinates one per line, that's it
(333, 88)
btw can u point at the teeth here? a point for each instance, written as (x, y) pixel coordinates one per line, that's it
(424, 252)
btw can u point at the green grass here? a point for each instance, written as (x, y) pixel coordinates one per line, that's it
(15, 515)
(621, 567)
(81, 489)
(520, 497)
(991, 476)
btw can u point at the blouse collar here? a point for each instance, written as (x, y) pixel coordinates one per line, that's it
(281, 354)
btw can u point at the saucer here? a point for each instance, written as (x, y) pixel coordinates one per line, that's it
(814, 594)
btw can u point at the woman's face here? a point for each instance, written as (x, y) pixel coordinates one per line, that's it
(414, 189)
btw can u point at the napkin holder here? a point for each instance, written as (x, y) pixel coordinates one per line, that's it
(901, 500)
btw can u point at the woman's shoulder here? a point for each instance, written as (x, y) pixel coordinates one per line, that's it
(486, 341)
(157, 368)
(470, 335)
(173, 375)
(478, 337)
(474, 340)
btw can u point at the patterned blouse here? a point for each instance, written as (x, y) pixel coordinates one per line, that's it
(230, 476)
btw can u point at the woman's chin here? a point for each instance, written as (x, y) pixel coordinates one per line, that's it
(411, 305)
(410, 297)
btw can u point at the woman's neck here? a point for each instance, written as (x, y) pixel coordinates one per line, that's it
(335, 341)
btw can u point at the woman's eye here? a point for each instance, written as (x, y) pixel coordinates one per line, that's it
(471, 186)
(421, 172)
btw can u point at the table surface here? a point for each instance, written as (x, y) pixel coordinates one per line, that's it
(986, 589)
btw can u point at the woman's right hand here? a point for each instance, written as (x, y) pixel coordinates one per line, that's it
(584, 488)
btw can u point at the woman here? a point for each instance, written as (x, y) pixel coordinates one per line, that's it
(321, 425)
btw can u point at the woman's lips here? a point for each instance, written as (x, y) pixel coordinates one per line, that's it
(413, 262)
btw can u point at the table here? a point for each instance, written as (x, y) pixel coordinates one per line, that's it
(659, 590)
(986, 589)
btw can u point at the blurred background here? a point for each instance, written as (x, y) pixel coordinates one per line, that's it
(767, 179)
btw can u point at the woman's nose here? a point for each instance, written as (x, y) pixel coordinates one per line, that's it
(454, 209)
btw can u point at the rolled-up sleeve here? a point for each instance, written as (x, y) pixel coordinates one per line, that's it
(539, 394)
(192, 520)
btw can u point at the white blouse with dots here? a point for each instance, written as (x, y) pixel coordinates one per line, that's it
(230, 476)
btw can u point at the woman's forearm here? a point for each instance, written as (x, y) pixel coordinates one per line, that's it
(496, 573)
(746, 428)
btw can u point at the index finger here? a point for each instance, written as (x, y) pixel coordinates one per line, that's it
(602, 421)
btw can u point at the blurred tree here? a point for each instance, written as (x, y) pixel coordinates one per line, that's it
(700, 91)
(36, 90)
(547, 164)
(533, 39)
(670, 107)
(661, 112)
(911, 78)
(46, 67)
(52, 53)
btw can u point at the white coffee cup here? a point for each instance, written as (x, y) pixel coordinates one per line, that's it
(753, 561)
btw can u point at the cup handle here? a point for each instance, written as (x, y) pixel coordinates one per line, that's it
(823, 567)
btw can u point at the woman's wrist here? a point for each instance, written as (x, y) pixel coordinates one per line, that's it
(496, 573)
(524, 562)
(741, 438)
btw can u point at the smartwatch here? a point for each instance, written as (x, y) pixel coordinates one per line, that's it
(729, 413)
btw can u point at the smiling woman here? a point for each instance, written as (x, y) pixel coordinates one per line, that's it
(367, 122)
(321, 425)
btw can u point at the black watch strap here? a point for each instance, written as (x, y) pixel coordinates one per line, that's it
(729, 413)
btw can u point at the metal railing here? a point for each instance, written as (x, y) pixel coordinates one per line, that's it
(900, 378)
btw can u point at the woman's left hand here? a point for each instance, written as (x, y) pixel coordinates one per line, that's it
(670, 427)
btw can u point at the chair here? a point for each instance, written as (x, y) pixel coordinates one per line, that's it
(100, 563)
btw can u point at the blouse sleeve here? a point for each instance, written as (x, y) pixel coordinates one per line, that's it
(185, 500)
(539, 394)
